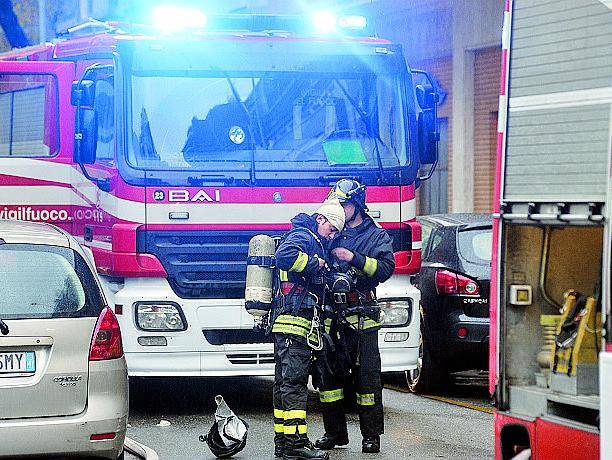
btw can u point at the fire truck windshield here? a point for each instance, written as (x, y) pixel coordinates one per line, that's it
(282, 123)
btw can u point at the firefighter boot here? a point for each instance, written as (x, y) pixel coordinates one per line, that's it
(327, 442)
(302, 449)
(370, 445)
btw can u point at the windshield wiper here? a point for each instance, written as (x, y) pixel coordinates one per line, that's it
(4, 329)
(250, 128)
(370, 130)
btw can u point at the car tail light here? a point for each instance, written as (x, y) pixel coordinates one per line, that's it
(452, 283)
(102, 436)
(106, 341)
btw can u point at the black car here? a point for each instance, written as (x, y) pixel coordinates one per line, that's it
(454, 283)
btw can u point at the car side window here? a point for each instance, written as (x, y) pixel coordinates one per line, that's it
(426, 229)
(435, 240)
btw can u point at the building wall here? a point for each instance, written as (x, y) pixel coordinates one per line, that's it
(59, 15)
(27, 14)
(457, 42)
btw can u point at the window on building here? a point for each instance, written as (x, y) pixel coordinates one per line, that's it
(28, 115)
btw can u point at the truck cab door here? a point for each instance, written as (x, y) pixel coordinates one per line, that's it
(95, 168)
(36, 142)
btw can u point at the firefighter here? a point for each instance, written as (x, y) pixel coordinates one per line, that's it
(300, 259)
(366, 250)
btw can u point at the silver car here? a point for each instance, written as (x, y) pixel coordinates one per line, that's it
(63, 376)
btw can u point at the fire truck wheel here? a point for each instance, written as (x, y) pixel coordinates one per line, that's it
(428, 374)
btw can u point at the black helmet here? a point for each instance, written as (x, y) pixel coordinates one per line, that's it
(217, 445)
(350, 190)
(228, 435)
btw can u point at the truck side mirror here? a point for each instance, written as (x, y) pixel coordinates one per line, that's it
(85, 140)
(83, 96)
(427, 123)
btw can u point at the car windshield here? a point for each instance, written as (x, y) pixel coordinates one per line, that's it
(475, 245)
(283, 122)
(45, 281)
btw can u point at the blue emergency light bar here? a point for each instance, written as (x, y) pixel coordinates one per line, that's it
(175, 19)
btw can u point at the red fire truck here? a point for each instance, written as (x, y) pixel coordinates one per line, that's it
(165, 149)
(551, 349)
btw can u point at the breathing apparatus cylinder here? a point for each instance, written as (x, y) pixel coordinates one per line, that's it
(260, 275)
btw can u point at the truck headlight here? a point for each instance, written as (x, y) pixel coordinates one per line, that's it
(160, 316)
(395, 312)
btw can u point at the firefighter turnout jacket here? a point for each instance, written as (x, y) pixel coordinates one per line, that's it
(373, 257)
(355, 335)
(301, 291)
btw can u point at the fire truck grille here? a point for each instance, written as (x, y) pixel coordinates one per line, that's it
(235, 336)
(201, 264)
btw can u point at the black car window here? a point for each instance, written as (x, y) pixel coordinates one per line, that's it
(40, 281)
(426, 229)
(436, 239)
(475, 245)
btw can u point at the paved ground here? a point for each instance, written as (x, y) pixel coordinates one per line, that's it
(416, 427)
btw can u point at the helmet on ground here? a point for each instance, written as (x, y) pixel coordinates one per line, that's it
(228, 435)
(350, 190)
(332, 210)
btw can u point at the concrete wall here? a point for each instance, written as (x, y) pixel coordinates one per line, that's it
(476, 24)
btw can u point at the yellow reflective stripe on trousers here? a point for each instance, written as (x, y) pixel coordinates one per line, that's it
(279, 413)
(295, 429)
(368, 323)
(289, 324)
(282, 274)
(293, 320)
(289, 329)
(328, 324)
(370, 266)
(295, 414)
(331, 395)
(300, 262)
(279, 428)
(365, 399)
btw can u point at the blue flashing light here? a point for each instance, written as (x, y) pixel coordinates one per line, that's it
(169, 18)
(324, 22)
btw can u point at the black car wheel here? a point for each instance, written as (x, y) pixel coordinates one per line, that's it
(428, 375)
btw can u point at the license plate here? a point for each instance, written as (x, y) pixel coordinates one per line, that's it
(18, 362)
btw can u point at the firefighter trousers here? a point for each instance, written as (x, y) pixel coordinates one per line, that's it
(361, 348)
(292, 358)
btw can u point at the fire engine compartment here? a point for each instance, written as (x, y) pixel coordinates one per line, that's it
(551, 260)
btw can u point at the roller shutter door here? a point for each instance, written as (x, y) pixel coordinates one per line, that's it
(487, 69)
(558, 130)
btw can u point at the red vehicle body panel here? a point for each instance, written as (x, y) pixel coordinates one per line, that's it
(550, 440)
